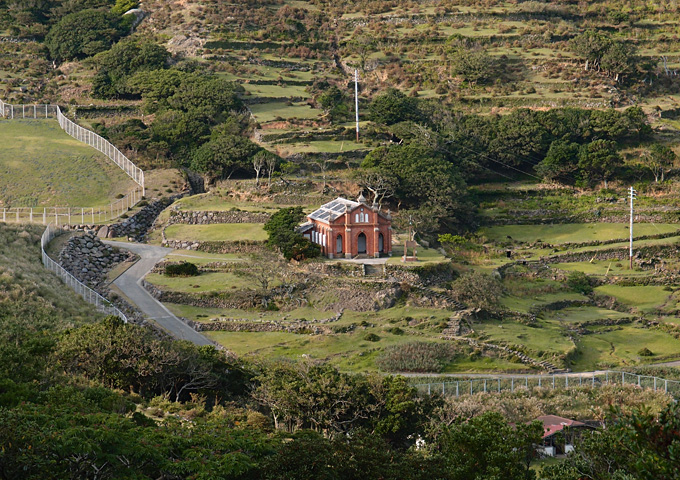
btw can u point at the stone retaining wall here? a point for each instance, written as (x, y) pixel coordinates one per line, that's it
(240, 299)
(213, 217)
(90, 260)
(138, 225)
(241, 247)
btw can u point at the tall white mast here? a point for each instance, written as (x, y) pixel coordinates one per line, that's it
(356, 99)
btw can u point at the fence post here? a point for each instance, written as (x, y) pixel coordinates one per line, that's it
(606, 377)
(566, 381)
(638, 380)
(665, 387)
(485, 385)
(623, 378)
(512, 384)
(655, 384)
(539, 382)
(457, 389)
(499, 385)
(429, 392)
(443, 388)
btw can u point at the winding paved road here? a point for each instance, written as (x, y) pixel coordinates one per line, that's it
(130, 283)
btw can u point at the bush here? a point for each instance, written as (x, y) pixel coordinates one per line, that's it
(417, 357)
(645, 352)
(395, 331)
(184, 269)
(477, 290)
(371, 337)
(579, 282)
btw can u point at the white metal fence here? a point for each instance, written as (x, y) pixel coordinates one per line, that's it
(62, 215)
(90, 296)
(510, 383)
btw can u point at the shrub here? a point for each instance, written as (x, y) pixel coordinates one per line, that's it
(184, 269)
(579, 282)
(417, 357)
(478, 290)
(371, 337)
(395, 331)
(645, 352)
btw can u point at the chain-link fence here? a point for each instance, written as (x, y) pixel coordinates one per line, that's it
(510, 383)
(90, 296)
(83, 215)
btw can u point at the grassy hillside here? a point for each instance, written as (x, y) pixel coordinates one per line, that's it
(43, 166)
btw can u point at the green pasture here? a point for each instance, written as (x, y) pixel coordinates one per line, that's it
(644, 298)
(219, 232)
(269, 112)
(201, 258)
(205, 282)
(277, 91)
(425, 255)
(40, 165)
(217, 202)
(548, 337)
(583, 314)
(620, 346)
(319, 146)
(574, 232)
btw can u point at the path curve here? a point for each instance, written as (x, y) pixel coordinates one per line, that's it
(130, 283)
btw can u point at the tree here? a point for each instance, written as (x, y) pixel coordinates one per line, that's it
(333, 103)
(590, 46)
(222, 156)
(477, 290)
(271, 162)
(259, 160)
(600, 159)
(660, 160)
(560, 161)
(473, 65)
(487, 448)
(619, 60)
(282, 230)
(393, 106)
(82, 34)
(380, 185)
(123, 60)
(264, 271)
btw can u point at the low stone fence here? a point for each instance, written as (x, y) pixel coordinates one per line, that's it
(425, 275)
(241, 247)
(213, 217)
(334, 269)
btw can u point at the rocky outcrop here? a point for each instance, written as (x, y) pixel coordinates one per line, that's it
(208, 218)
(90, 260)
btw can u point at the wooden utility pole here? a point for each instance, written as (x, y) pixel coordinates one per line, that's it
(632, 193)
(356, 99)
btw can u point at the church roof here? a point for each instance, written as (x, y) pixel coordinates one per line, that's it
(330, 211)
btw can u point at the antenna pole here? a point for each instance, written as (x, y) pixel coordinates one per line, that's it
(632, 194)
(356, 99)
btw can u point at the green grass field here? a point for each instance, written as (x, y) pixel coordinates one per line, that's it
(644, 298)
(575, 232)
(222, 232)
(40, 165)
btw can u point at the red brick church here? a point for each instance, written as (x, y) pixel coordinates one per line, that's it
(344, 228)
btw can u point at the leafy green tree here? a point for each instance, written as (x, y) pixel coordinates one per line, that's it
(488, 448)
(473, 65)
(599, 159)
(83, 34)
(477, 290)
(283, 235)
(393, 106)
(560, 161)
(181, 131)
(619, 60)
(520, 138)
(579, 282)
(221, 157)
(590, 46)
(334, 103)
(660, 160)
(124, 59)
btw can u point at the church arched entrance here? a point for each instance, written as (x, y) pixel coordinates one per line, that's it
(381, 243)
(361, 243)
(338, 244)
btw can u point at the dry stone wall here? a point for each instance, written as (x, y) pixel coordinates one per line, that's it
(90, 260)
(213, 217)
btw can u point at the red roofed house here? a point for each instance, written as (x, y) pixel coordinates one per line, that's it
(344, 228)
(552, 442)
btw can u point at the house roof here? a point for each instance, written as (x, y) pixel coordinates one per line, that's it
(553, 424)
(330, 211)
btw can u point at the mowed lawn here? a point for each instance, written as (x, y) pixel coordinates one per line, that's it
(575, 232)
(40, 165)
(221, 232)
